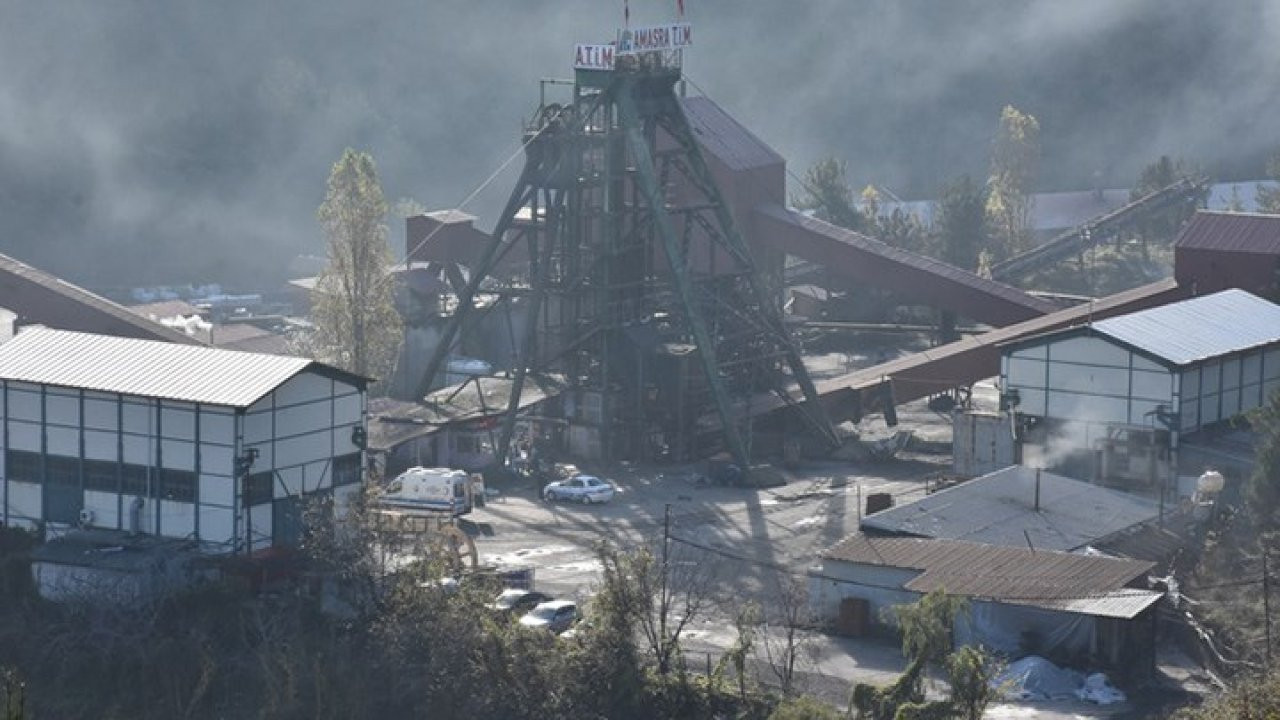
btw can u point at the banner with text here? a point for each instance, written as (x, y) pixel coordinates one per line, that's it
(632, 41)
(593, 57)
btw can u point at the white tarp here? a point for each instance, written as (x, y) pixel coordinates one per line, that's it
(1034, 678)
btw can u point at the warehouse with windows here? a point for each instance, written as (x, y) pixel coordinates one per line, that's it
(1111, 400)
(221, 447)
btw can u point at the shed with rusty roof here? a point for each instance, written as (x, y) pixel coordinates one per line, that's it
(1020, 600)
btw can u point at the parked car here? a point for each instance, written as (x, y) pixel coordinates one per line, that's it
(555, 615)
(518, 600)
(583, 488)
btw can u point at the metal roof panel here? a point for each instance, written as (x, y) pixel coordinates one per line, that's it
(1032, 577)
(149, 368)
(1198, 329)
(1000, 509)
(732, 143)
(1232, 232)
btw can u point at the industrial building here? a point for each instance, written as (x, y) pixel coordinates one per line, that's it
(1218, 250)
(1111, 400)
(1021, 600)
(218, 447)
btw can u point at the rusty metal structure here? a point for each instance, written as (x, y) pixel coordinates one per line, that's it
(639, 289)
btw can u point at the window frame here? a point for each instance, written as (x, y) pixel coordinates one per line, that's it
(177, 485)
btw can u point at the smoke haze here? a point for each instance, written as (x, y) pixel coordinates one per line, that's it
(150, 141)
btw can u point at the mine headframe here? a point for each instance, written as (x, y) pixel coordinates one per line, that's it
(639, 291)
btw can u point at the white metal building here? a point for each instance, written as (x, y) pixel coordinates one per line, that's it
(1149, 376)
(179, 441)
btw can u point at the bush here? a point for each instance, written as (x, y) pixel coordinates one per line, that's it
(803, 708)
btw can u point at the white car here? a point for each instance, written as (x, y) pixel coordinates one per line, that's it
(554, 615)
(583, 488)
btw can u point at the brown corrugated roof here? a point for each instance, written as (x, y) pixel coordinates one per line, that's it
(991, 571)
(39, 297)
(725, 138)
(1231, 232)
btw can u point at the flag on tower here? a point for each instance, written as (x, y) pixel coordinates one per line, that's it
(680, 7)
(626, 12)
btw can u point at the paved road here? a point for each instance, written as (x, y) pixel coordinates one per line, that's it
(742, 542)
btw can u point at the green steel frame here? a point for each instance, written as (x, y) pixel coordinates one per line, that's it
(614, 198)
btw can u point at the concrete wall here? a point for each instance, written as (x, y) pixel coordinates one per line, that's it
(880, 586)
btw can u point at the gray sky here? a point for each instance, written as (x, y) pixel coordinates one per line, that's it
(186, 140)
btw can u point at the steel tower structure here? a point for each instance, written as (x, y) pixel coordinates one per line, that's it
(639, 292)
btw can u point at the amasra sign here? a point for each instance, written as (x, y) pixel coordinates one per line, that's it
(658, 38)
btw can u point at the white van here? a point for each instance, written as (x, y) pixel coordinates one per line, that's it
(434, 489)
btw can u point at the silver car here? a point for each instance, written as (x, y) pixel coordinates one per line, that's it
(554, 615)
(583, 488)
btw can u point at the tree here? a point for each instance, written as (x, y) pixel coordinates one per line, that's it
(970, 672)
(828, 195)
(744, 622)
(962, 227)
(1269, 197)
(357, 326)
(787, 634)
(1251, 698)
(1263, 488)
(1015, 164)
(927, 626)
(803, 708)
(12, 696)
(962, 234)
(658, 595)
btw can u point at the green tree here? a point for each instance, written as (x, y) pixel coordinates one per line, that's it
(1263, 486)
(12, 696)
(1015, 165)
(1269, 197)
(961, 226)
(803, 708)
(970, 672)
(927, 625)
(353, 303)
(828, 195)
(1256, 698)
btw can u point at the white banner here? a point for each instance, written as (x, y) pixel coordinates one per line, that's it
(653, 39)
(593, 57)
